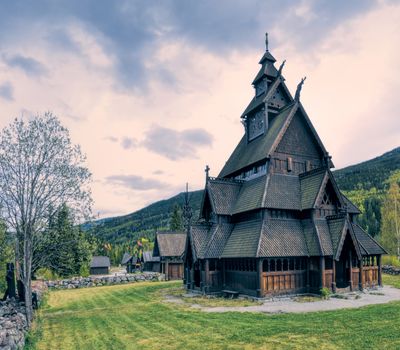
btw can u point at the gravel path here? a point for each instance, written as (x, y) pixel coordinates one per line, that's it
(380, 296)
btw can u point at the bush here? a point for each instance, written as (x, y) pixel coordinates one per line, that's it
(46, 274)
(325, 293)
(390, 260)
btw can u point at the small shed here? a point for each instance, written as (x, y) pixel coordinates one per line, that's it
(132, 263)
(151, 263)
(100, 265)
(169, 247)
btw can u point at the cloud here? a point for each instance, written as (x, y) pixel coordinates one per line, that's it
(131, 33)
(7, 91)
(174, 144)
(158, 172)
(29, 65)
(128, 142)
(111, 139)
(135, 182)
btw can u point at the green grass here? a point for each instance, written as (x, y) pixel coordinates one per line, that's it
(391, 280)
(134, 316)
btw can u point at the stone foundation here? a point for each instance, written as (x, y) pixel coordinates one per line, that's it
(94, 281)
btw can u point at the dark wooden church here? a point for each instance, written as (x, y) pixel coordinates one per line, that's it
(274, 220)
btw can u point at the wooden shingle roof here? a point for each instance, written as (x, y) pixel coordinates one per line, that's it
(247, 153)
(100, 261)
(368, 245)
(223, 194)
(282, 237)
(243, 241)
(169, 244)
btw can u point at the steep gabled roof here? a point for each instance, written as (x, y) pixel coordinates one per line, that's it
(310, 185)
(351, 207)
(251, 195)
(126, 258)
(216, 244)
(311, 237)
(282, 237)
(282, 192)
(247, 153)
(223, 194)
(368, 245)
(324, 236)
(199, 236)
(243, 241)
(168, 244)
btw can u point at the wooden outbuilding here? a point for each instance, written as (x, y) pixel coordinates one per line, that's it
(150, 262)
(274, 220)
(100, 265)
(170, 247)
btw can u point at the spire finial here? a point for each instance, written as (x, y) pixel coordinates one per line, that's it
(280, 68)
(207, 170)
(187, 209)
(298, 90)
(266, 41)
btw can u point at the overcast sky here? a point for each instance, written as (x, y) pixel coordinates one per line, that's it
(153, 90)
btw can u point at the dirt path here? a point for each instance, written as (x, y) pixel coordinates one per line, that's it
(287, 305)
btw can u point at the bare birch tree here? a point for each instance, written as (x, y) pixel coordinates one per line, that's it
(40, 169)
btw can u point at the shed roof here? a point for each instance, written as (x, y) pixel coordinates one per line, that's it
(100, 261)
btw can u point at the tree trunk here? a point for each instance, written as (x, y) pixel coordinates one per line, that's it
(28, 280)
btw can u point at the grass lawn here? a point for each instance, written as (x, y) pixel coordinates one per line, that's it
(133, 316)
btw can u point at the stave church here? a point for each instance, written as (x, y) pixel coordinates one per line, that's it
(274, 221)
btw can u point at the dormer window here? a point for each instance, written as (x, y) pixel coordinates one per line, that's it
(261, 87)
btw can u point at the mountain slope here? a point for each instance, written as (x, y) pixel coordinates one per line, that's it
(363, 183)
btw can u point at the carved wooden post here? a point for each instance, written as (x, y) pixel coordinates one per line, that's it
(350, 271)
(192, 276)
(166, 270)
(223, 273)
(361, 275)
(333, 275)
(260, 278)
(322, 271)
(308, 274)
(379, 258)
(207, 277)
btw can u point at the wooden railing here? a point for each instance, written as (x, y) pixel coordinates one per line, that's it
(283, 282)
(370, 275)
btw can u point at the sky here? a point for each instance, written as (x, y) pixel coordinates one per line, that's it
(153, 90)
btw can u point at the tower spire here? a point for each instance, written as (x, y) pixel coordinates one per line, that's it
(266, 41)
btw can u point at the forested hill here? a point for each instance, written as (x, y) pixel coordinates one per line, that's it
(369, 174)
(363, 183)
(142, 223)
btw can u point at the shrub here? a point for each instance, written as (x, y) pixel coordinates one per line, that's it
(325, 293)
(390, 260)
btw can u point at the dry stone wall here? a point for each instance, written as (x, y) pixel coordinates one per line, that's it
(391, 270)
(13, 325)
(94, 281)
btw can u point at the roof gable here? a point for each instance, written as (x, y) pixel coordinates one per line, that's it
(168, 244)
(247, 153)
